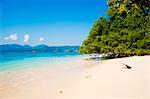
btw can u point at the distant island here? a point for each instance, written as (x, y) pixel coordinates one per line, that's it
(38, 48)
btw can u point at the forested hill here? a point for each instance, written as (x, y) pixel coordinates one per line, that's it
(126, 31)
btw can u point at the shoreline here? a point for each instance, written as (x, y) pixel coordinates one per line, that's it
(106, 79)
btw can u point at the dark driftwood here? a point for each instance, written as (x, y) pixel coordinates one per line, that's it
(127, 66)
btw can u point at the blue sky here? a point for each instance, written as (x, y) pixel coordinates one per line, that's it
(51, 22)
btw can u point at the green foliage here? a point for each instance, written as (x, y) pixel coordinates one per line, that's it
(125, 33)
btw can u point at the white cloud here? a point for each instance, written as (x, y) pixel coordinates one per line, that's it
(12, 37)
(26, 38)
(41, 39)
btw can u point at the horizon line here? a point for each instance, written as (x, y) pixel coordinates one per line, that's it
(37, 45)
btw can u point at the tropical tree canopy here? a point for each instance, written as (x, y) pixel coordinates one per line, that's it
(126, 31)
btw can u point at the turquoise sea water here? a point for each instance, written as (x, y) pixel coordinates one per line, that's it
(12, 60)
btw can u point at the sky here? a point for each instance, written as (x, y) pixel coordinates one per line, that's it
(50, 22)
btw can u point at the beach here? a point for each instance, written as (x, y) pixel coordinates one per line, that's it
(76, 78)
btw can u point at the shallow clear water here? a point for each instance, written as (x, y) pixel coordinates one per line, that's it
(13, 60)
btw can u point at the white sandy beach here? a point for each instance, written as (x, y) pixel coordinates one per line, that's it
(90, 80)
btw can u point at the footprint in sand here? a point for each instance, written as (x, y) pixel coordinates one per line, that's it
(61, 92)
(88, 76)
